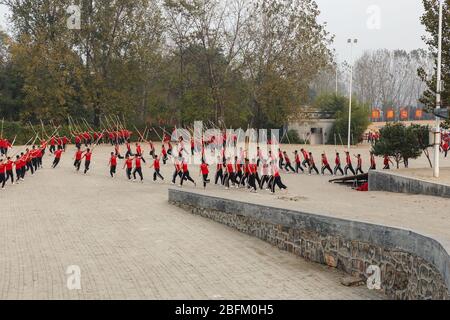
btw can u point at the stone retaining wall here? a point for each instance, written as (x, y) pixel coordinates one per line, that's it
(412, 266)
(390, 182)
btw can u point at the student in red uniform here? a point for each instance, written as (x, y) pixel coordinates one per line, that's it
(373, 163)
(87, 162)
(39, 156)
(288, 165)
(305, 154)
(359, 164)
(349, 165)
(78, 157)
(78, 141)
(325, 164)
(252, 178)
(164, 154)
(112, 164)
(280, 159)
(43, 146)
(246, 175)
(298, 162)
(204, 171)
(265, 177)
(178, 170)
(19, 165)
(65, 141)
(229, 175)
(29, 161)
(152, 149)
(2, 173)
(219, 171)
(312, 164)
(445, 148)
(129, 166)
(186, 175)
(129, 152)
(386, 162)
(52, 144)
(57, 159)
(193, 147)
(276, 179)
(9, 169)
(138, 149)
(138, 167)
(2, 148)
(157, 166)
(34, 160)
(338, 166)
(24, 165)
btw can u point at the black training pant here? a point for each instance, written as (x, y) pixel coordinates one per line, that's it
(138, 171)
(55, 162)
(157, 175)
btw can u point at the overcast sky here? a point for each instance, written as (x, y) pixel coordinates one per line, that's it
(391, 24)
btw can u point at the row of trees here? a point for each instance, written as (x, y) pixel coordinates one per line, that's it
(229, 61)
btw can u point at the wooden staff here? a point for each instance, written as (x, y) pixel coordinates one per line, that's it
(140, 135)
(25, 145)
(32, 128)
(54, 132)
(96, 142)
(110, 128)
(43, 129)
(87, 125)
(157, 134)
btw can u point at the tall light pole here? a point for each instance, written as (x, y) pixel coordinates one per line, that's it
(351, 42)
(437, 133)
(336, 79)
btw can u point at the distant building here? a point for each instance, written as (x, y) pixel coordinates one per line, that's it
(312, 125)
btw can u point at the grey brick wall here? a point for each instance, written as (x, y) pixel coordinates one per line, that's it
(386, 181)
(412, 266)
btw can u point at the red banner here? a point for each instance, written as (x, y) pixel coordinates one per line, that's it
(390, 114)
(404, 114)
(419, 114)
(376, 114)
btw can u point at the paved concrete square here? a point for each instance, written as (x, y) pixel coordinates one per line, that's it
(131, 244)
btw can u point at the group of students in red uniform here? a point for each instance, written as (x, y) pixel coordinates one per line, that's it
(119, 137)
(56, 142)
(309, 163)
(239, 172)
(14, 169)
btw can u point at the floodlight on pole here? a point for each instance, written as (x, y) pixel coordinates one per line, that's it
(437, 133)
(351, 42)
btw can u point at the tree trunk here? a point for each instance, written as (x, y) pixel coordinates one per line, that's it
(427, 154)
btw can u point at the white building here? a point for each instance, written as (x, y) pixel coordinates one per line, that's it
(313, 126)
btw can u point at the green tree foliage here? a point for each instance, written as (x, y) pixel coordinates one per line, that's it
(398, 141)
(423, 139)
(339, 105)
(11, 97)
(430, 20)
(234, 62)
